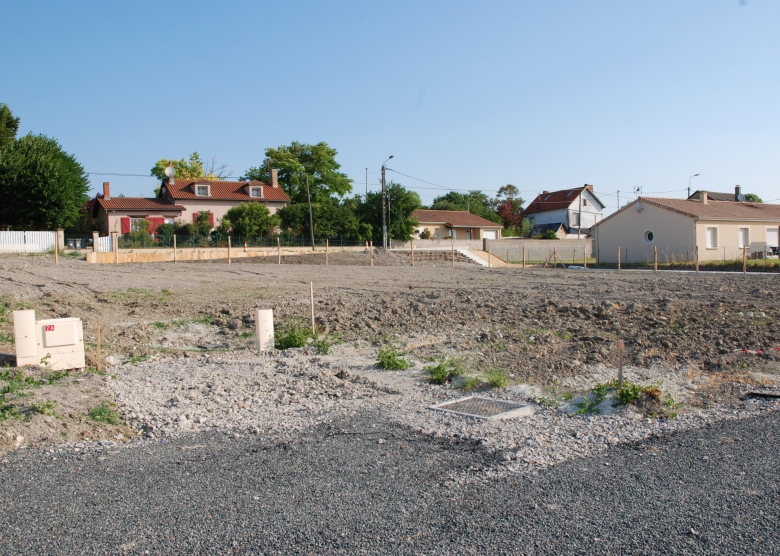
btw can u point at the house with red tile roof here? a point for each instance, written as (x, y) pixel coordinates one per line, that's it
(457, 224)
(678, 228)
(181, 200)
(576, 210)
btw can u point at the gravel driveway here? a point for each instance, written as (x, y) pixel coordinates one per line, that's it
(369, 486)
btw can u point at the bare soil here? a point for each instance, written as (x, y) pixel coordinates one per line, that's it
(538, 325)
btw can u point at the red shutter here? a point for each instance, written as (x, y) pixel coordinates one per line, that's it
(154, 222)
(194, 217)
(125, 224)
(211, 219)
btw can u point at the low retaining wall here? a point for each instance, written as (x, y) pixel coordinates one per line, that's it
(437, 244)
(201, 254)
(570, 250)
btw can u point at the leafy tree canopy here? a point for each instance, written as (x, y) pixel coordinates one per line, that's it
(474, 202)
(296, 161)
(42, 186)
(193, 168)
(753, 198)
(249, 219)
(9, 126)
(401, 204)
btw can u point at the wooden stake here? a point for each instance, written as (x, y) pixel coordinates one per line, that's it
(523, 256)
(696, 252)
(56, 248)
(371, 248)
(655, 258)
(453, 254)
(311, 292)
(489, 259)
(618, 258)
(744, 258)
(621, 349)
(411, 244)
(584, 258)
(327, 243)
(555, 257)
(278, 251)
(98, 345)
(174, 249)
(229, 250)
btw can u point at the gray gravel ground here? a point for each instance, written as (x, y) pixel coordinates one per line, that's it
(368, 486)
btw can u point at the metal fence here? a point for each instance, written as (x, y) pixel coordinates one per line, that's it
(27, 242)
(151, 241)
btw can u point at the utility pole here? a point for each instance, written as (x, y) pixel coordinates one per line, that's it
(618, 194)
(311, 218)
(366, 183)
(579, 218)
(689, 184)
(384, 223)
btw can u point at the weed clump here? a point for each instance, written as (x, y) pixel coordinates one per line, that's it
(292, 335)
(105, 414)
(444, 371)
(471, 383)
(390, 359)
(325, 342)
(496, 377)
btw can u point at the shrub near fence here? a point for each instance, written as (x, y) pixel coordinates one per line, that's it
(152, 241)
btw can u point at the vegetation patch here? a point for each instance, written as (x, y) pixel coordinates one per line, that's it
(496, 377)
(292, 334)
(104, 413)
(444, 371)
(324, 342)
(391, 359)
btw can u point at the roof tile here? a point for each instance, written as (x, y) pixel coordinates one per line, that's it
(454, 218)
(225, 190)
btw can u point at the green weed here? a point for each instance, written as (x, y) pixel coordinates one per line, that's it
(293, 334)
(204, 320)
(471, 383)
(159, 325)
(56, 376)
(136, 359)
(325, 342)
(389, 359)
(555, 398)
(6, 338)
(563, 334)
(105, 414)
(444, 371)
(496, 377)
(11, 411)
(45, 407)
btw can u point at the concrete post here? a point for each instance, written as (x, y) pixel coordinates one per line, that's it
(61, 239)
(618, 258)
(95, 242)
(115, 246)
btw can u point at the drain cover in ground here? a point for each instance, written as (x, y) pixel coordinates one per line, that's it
(485, 408)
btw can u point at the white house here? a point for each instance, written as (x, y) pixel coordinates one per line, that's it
(576, 209)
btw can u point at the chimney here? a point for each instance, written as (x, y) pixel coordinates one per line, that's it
(737, 192)
(106, 190)
(703, 197)
(545, 192)
(589, 186)
(274, 178)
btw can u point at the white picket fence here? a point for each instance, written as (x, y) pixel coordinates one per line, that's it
(27, 242)
(104, 244)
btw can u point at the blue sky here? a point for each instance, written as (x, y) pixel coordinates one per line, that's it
(467, 95)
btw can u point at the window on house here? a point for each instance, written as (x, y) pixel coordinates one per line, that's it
(712, 238)
(575, 219)
(744, 237)
(584, 202)
(771, 237)
(255, 192)
(436, 232)
(169, 221)
(137, 224)
(203, 190)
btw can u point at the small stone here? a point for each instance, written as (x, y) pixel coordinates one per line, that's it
(381, 440)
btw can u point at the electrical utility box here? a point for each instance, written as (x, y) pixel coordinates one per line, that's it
(57, 344)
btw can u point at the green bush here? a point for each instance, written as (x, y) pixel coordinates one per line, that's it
(444, 371)
(496, 377)
(389, 359)
(324, 342)
(471, 383)
(292, 335)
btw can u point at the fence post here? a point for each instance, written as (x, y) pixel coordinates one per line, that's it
(278, 251)
(744, 258)
(327, 247)
(696, 251)
(311, 292)
(655, 258)
(523, 256)
(174, 248)
(453, 254)
(229, 246)
(98, 344)
(95, 242)
(411, 247)
(555, 257)
(585, 258)
(57, 251)
(61, 238)
(372, 253)
(489, 262)
(115, 246)
(618, 258)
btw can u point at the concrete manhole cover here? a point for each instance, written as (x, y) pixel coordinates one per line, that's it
(485, 408)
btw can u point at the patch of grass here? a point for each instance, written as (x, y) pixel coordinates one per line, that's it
(46, 407)
(390, 359)
(204, 320)
(629, 394)
(181, 322)
(555, 398)
(586, 406)
(496, 377)
(136, 359)
(325, 342)
(444, 371)
(293, 334)
(166, 291)
(246, 334)
(11, 411)
(17, 381)
(159, 325)
(563, 334)
(471, 383)
(105, 414)
(55, 376)
(380, 339)
(6, 338)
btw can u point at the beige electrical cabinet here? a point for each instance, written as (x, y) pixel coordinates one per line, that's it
(54, 343)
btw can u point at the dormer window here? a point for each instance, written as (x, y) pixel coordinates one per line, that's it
(203, 190)
(257, 192)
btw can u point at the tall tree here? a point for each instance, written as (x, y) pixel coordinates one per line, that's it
(401, 204)
(41, 185)
(296, 161)
(193, 168)
(474, 202)
(753, 198)
(509, 206)
(9, 126)
(249, 219)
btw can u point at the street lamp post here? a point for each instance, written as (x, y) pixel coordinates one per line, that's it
(384, 194)
(689, 184)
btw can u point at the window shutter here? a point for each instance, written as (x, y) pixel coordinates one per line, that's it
(211, 219)
(194, 217)
(154, 223)
(125, 220)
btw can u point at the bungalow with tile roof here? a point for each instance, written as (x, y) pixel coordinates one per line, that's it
(678, 228)
(576, 210)
(122, 214)
(457, 224)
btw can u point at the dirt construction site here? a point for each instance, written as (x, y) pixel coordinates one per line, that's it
(695, 344)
